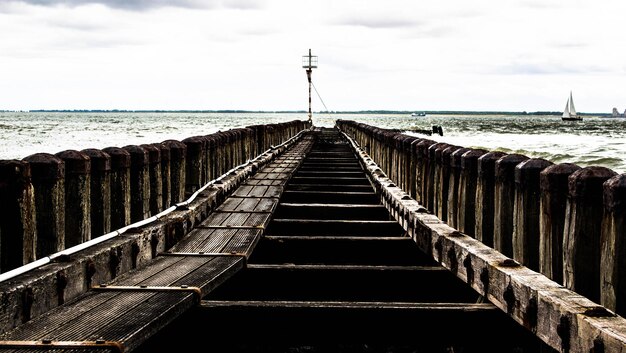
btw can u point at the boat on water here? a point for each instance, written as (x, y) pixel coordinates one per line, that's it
(419, 114)
(569, 113)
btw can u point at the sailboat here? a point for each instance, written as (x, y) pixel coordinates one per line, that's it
(569, 113)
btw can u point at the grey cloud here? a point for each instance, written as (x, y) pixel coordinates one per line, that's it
(147, 4)
(546, 69)
(376, 22)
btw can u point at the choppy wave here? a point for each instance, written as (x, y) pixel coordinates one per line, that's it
(593, 141)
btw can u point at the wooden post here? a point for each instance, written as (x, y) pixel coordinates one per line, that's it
(583, 227)
(431, 182)
(139, 183)
(77, 197)
(453, 187)
(194, 164)
(207, 160)
(220, 142)
(467, 191)
(485, 196)
(178, 156)
(443, 158)
(100, 213)
(18, 230)
(166, 175)
(47, 173)
(423, 169)
(526, 212)
(553, 201)
(613, 256)
(413, 169)
(212, 151)
(155, 178)
(120, 187)
(504, 200)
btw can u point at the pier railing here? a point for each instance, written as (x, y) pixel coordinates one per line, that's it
(51, 202)
(561, 220)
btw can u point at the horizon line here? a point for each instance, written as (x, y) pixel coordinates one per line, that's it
(368, 111)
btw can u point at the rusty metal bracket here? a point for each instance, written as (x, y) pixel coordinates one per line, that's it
(254, 197)
(230, 227)
(202, 253)
(242, 211)
(113, 346)
(196, 291)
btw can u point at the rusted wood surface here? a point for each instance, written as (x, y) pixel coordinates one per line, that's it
(443, 156)
(613, 252)
(77, 197)
(582, 233)
(504, 202)
(467, 190)
(485, 197)
(553, 203)
(48, 184)
(526, 209)
(454, 187)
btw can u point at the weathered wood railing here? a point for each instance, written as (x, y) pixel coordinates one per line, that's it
(562, 318)
(50, 202)
(561, 220)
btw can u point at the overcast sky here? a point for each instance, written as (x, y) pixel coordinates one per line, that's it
(491, 55)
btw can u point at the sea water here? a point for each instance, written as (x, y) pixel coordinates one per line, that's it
(594, 141)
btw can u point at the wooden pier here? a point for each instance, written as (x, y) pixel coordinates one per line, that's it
(311, 248)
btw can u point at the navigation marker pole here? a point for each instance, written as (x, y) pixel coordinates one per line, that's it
(309, 62)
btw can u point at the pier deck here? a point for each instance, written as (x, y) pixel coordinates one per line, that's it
(303, 256)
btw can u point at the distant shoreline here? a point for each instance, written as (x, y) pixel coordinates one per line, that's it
(436, 112)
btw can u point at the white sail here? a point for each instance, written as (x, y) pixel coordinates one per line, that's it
(570, 110)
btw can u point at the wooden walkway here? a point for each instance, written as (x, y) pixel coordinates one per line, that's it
(334, 272)
(302, 257)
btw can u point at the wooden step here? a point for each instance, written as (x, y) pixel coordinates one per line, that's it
(327, 211)
(355, 228)
(345, 283)
(362, 198)
(337, 250)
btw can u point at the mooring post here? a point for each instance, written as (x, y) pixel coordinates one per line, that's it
(178, 157)
(18, 229)
(467, 191)
(526, 211)
(485, 197)
(155, 178)
(120, 187)
(100, 191)
(583, 227)
(553, 201)
(613, 251)
(453, 187)
(504, 202)
(77, 197)
(47, 174)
